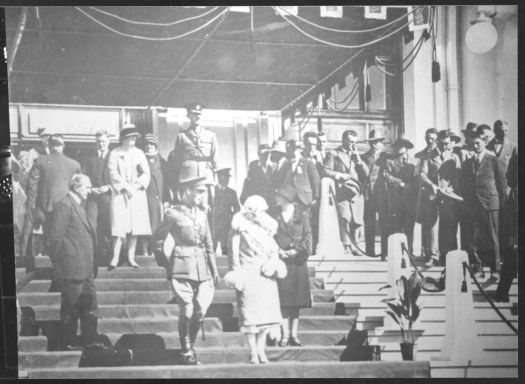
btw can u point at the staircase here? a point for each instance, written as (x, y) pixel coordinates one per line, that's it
(133, 302)
(355, 282)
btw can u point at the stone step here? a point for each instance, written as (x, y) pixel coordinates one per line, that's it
(219, 355)
(281, 369)
(128, 284)
(473, 368)
(32, 343)
(32, 299)
(43, 313)
(432, 299)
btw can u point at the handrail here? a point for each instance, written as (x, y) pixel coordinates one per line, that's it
(487, 298)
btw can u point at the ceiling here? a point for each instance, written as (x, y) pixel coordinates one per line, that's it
(66, 58)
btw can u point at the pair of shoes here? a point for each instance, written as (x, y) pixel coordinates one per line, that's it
(283, 342)
(189, 358)
(263, 358)
(348, 249)
(254, 358)
(96, 347)
(71, 347)
(295, 342)
(432, 263)
(494, 277)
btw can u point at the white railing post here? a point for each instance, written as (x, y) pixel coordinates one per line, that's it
(329, 244)
(461, 340)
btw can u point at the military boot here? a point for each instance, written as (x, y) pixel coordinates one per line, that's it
(187, 353)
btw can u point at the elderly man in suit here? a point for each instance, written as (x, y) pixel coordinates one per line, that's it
(225, 205)
(48, 181)
(98, 204)
(401, 175)
(259, 176)
(298, 180)
(483, 188)
(502, 147)
(349, 171)
(72, 243)
(374, 192)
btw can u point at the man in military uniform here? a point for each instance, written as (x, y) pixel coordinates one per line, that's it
(401, 177)
(225, 205)
(375, 195)
(345, 166)
(192, 269)
(195, 152)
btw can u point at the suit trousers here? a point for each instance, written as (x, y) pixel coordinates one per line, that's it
(484, 235)
(373, 206)
(430, 228)
(98, 210)
(78, 300)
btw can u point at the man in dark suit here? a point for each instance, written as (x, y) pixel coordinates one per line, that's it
(298, 180)
(48, 181)
(72, 243)
(483, 187)
(430, 161)
(401, 176)
(345, 166)
(225, 205)
(502, 147)
(98, 204)
(375, 195)
(277, 154)
(258, 179)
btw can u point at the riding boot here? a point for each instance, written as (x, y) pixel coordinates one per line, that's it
(195, 326)
(187, 354)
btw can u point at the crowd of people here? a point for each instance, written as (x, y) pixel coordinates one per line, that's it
(180, 210)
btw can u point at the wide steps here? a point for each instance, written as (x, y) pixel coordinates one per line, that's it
(281, 369)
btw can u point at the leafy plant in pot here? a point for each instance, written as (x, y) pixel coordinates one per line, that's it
(405, 310)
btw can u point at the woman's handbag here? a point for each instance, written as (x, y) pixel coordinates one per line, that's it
(274, 268)
(235, 279)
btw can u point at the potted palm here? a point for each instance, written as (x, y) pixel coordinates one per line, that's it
(405, 310)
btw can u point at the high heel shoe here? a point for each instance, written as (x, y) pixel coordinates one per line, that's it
(134, 265)
(254, 359)
(263, 358)
(283, 342)
(295, 342)
(111, 267)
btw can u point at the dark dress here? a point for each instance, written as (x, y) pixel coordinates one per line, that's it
(294, 289)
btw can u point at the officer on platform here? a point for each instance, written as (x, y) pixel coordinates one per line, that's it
(192, 269)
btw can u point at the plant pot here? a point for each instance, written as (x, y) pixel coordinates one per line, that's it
(408, 351)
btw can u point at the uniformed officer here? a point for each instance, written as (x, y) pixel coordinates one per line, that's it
(225, 205)
(192, 269)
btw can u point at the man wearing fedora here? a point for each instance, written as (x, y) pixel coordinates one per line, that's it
(192, 269)
(278, 158)
(349, 171)
(259, 176)
(195, 151)
(48, 181)
(98, 204)
(225, 205)
(157, 191)
(375, 194)
(401, 175)
(298, 180)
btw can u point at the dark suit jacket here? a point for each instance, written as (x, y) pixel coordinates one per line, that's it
(374, 183)
(304, 183)
(508, 148)
(225, 205)
(397, 172)
(486, 184)
(257, 182)
(49, 179)
(97, 170)
(72, 241)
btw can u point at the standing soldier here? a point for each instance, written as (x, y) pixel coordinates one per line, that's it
(98, 205)
(192, 270)
(195, 152)
(345, 166)
(375, 195)
(402, 183)
(225, 205)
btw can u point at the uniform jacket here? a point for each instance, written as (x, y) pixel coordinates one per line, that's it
(374, 183)
(258, 181)
(48, 180)
(193, 257)
(294, 289)
(487, 183)
(302, 185)
(194, 155)
(225, 205)
(508, 148)
(72, 241)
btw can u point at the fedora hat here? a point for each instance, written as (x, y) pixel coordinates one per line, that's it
(443, 134)
(197, 182)
(278, 146)
(350, 188)
(403, 143)
(373, 136)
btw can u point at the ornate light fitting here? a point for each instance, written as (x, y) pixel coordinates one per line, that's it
(482, 36)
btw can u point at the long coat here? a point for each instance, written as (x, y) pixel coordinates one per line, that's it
(225, 205)
(339, 163)
(294, 289)
(301, 185)
(156, 192)
(129, 168)
(72, 241)
(49, 179)
(258, 182)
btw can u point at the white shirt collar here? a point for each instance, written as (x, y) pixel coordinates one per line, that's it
(75, 197)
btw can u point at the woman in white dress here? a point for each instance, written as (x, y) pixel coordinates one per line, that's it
(129, 176)
(254, 260)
